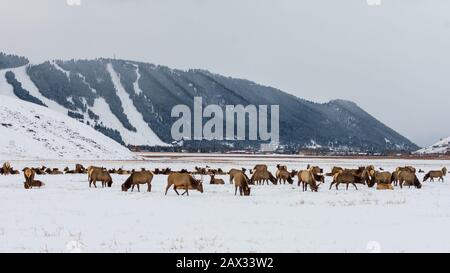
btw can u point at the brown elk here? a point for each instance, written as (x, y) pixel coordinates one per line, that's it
(34, 183)
(396, 173)
(283, 175)
(306, 177)
(262, 177)
(183, 181)
(408, 178)
(385, 178)
(233, 172)
(216, 181)
(99, 174)
(6, 168)
(241, 183)
(334, 171)
(136, 178)
(436, 174)
(29, 175)
(346, 177)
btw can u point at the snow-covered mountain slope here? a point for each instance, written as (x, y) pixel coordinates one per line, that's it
(131, 102)
(442, 147)
(30, 131)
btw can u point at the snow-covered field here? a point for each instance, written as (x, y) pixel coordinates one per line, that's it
(66, 215)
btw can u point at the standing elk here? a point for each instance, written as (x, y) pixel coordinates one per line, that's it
(136, 178)
(436, 174)
(306, 177)
(346, 177)
(241, 183)
(407, 178)
(99, 174)
(233, 172)
(183, 181)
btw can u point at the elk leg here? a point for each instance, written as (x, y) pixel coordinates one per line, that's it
(346, 188)
(235, 190)
(355, 186)
(240, 191)
(149, 187)
(95, 184)
(332, 183)
(167, 188)
(139, 190)
(337, 185)
(175, 189)
(132, 188)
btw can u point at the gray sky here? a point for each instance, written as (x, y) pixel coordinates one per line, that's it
(392, 59)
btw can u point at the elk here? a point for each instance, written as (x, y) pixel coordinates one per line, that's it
(260, 176)
(183, 181)
(436, 174)
(306, 177)
(6, 168)
(283, 176)
(380, 178)
(347, 177)
(241, 183)
(34, 183)
(396, 173)
(233, 172)
(29, 175)
(136, 178)
(99, 174)
(216, 181)
(409, 178)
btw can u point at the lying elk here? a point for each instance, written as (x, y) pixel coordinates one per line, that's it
(346, 177)
(136, 178)
(306, 177)
(183, 181)
(216, 181)
(6, 168)
(436, 174)
(29, 175)
(34, 183)
(241, 183)
(99, 174)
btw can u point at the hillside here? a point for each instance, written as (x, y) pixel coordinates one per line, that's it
(131, 102)
(441, 147)
(30, 131)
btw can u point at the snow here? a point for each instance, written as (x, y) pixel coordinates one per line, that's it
(442, 147)
(66, 215)
(32, 131)
(5, 88)
(27, 84)
(144, 135)
(137, 89)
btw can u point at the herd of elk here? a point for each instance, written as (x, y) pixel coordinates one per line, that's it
(312, 176)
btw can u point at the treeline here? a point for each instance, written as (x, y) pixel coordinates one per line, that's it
(11, 61)
(19, 91)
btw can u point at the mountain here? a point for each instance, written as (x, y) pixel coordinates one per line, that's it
(131, 102)
(32, 131)
(441, 147)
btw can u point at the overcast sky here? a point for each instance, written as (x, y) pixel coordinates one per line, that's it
(392, 59)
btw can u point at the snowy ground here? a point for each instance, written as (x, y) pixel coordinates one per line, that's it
(66, 215)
